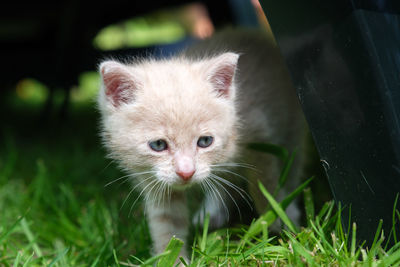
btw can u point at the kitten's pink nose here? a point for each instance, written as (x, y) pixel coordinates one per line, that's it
(185, 175)
(184, 166)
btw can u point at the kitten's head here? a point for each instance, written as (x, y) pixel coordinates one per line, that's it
(174, 117)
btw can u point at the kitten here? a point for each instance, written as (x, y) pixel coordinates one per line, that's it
(185, 121)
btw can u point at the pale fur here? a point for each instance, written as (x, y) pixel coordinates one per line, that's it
(174, 100)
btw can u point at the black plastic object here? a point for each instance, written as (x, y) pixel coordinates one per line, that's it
(344, 60)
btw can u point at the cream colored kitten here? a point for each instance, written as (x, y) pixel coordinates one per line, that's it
(184, 121)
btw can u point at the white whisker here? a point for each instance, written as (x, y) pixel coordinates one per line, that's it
(116, 180)
(160, 193)
(202, 187)
(231, 172)
(164, 192)
(133, 189)
(129, 176)
(229, 194)
(149, 194)
(216, 192)
(141, 192)
(236, 164)
(169, 194)
(207, 193)
(246, 196)
(210, 191)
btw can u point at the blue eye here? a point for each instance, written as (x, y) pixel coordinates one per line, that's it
(205, 141)
(158, 145)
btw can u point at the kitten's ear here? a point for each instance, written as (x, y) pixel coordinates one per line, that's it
(220, 73)
(119, 83)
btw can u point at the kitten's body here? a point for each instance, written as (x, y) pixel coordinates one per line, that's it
(195, 95)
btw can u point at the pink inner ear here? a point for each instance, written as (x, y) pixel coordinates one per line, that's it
(222, 79)
(221, 71)
(119, 86)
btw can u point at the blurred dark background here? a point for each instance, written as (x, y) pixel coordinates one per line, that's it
(54, 43)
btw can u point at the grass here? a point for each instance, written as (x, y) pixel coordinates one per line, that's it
(55, 211)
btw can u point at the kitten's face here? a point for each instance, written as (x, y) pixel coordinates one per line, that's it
(176, 118)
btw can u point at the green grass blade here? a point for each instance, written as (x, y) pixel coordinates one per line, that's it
(193, 246)
(59, 257)
(377, 233)
(270, 216)
(289, 199)
(28, 233)
(339, 226)
(278, 209)
(255, 228)
(17, 259)
(205, 231)
(153, 259)
(28, 260)
(115, 258)
(262, 247)
(285, 173)
(353, 240)
(348, 225)
(320, 239)
(173, 248)
(309, 205)
(11, 229)
(103, 248)
(183, 261)
(228, 236)
(392, 260)
(327, 220)
(301, 250)
(394, 248)
(323, 211)
(137, 259)
(394, 218)
(264, 226)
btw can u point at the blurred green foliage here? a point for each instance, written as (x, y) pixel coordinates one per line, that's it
(87, 89)
(161, 28)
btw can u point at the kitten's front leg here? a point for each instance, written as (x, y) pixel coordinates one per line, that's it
(166, 220)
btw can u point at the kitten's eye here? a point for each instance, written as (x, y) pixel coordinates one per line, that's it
(205, 141)
(158, 145)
